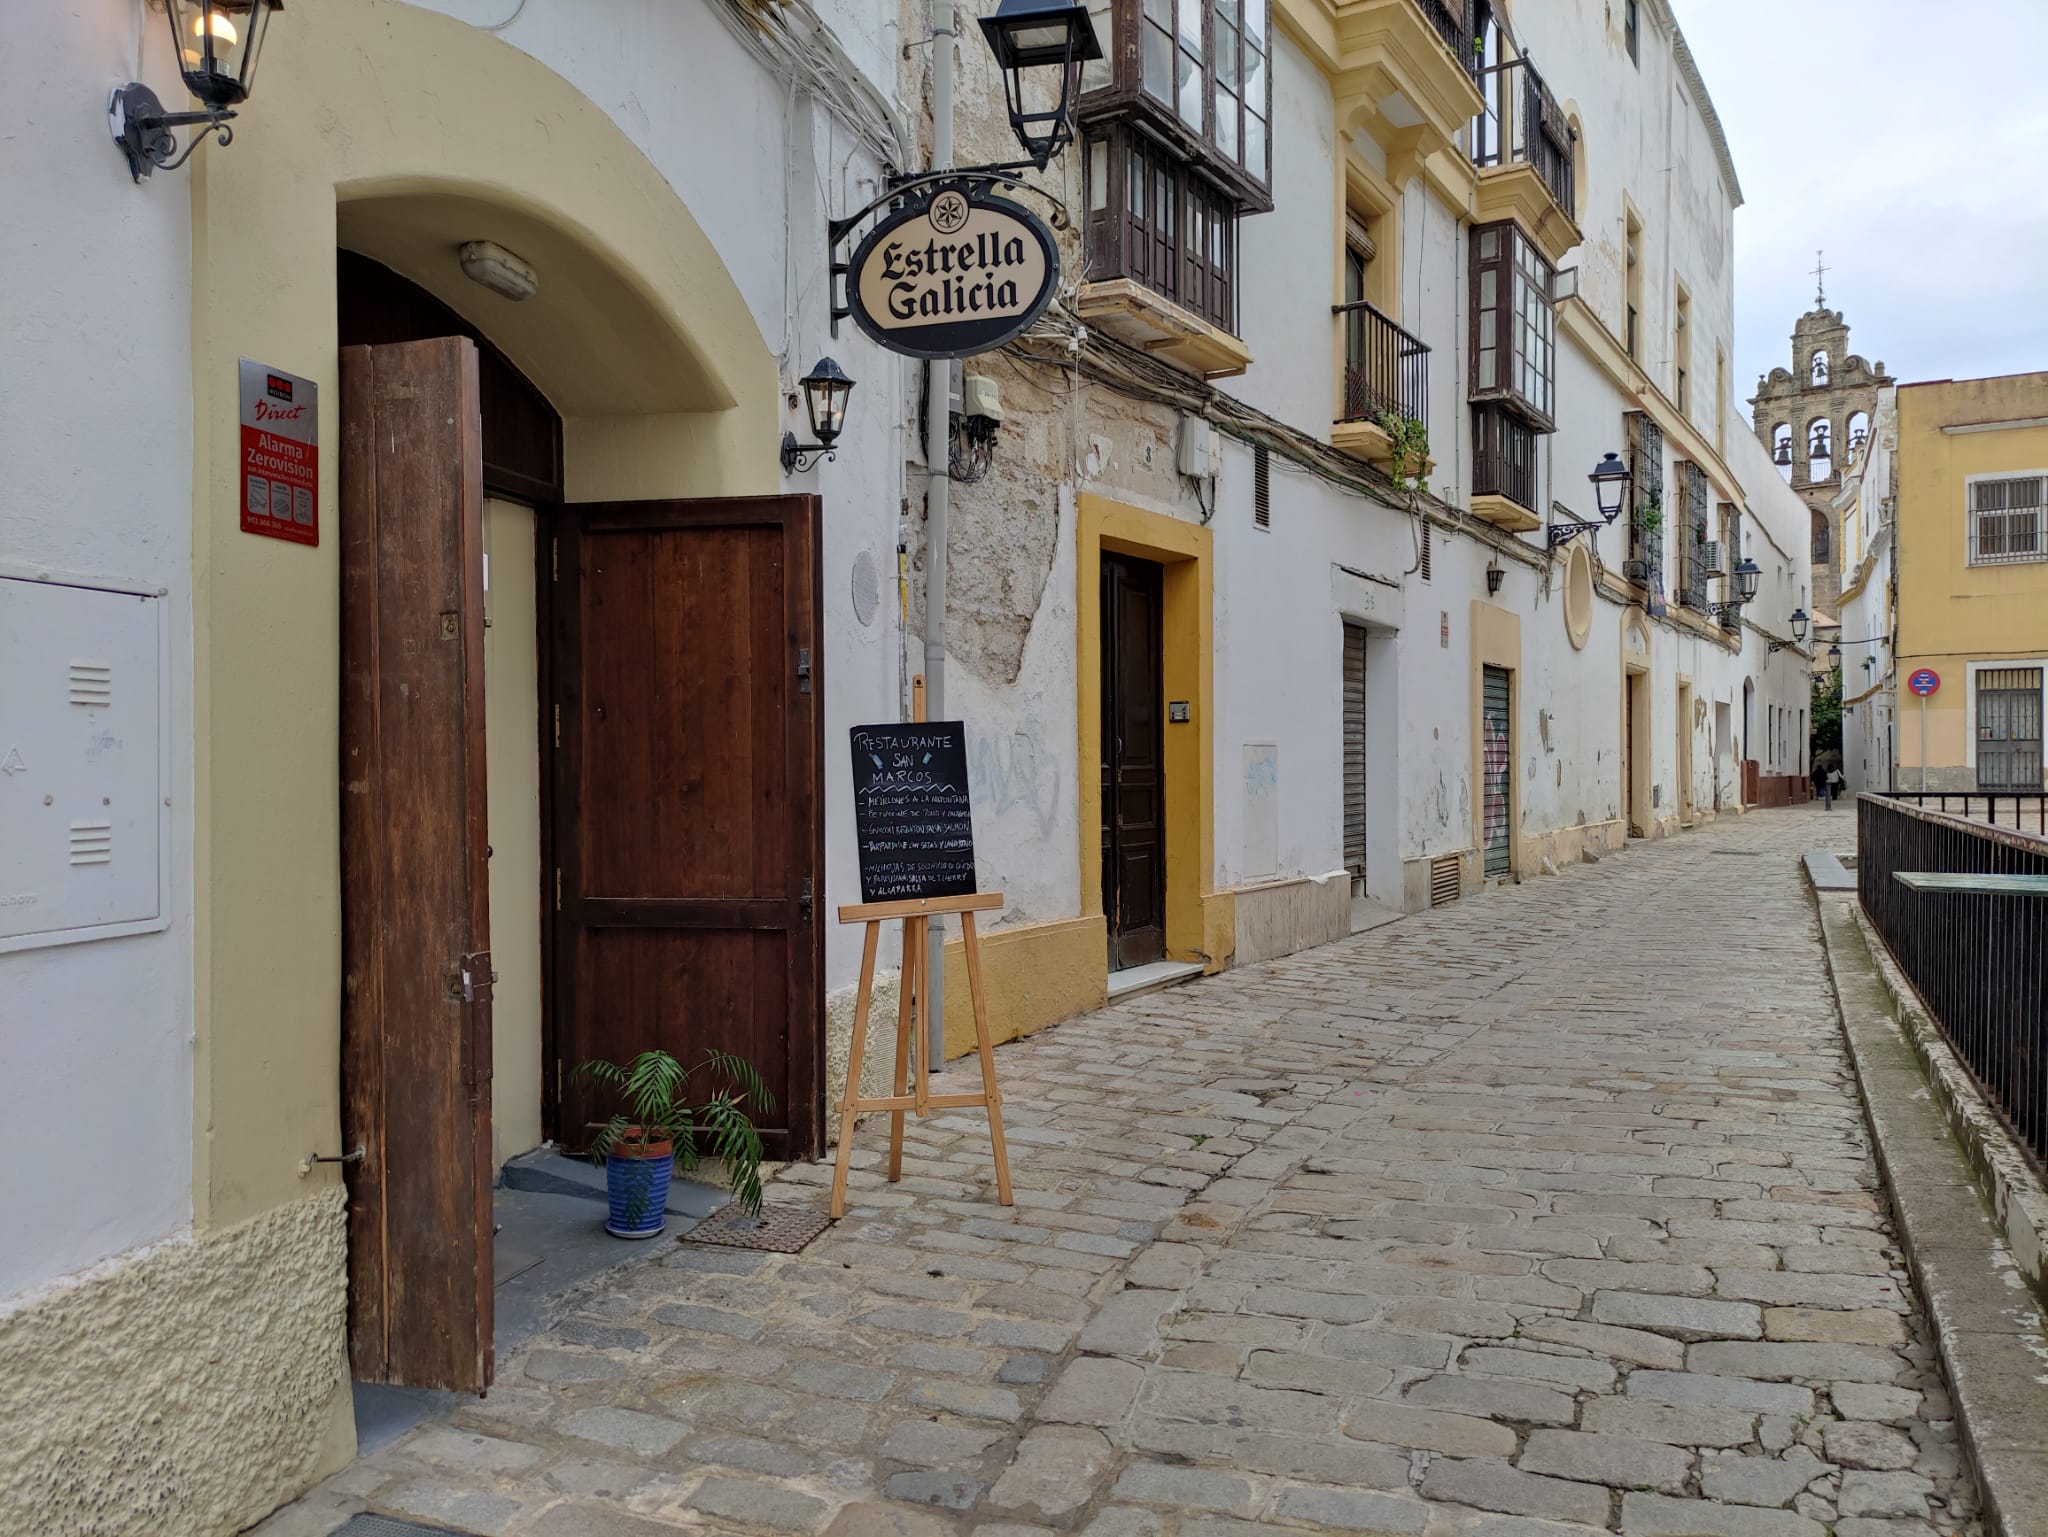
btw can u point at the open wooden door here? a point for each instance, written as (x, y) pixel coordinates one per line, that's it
(416, 966)
(687, 803)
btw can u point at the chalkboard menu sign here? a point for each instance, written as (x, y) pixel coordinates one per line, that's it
(910, 812)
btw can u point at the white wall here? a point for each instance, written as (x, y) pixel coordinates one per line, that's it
(96, 434)
(761, 170)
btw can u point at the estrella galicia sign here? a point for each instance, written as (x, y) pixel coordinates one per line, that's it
(952, 275)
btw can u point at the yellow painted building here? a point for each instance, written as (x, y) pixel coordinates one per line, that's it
(1972, 561)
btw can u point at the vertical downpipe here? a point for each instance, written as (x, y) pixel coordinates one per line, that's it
(938, 485)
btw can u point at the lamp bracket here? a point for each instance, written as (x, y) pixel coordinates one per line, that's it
(975, 181)
(142, 130)
(1560, 533)
(1723, 610)
(798, 457)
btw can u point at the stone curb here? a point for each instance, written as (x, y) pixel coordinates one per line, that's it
(1986, 1322)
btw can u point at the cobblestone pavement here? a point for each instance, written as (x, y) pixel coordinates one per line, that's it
(1550, 1211)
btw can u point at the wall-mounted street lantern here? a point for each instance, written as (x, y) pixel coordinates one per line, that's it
(1799, 623)
(1495, 575)
(1610, 480)
(826, 389)
(217, 42)
(1835, 658)
(1743, 581)
(1030, 34)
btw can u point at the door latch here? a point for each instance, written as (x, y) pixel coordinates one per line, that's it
(316, 1156)
(803, 669)
(805, 900)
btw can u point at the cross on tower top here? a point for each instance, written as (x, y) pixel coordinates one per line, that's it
(1820, 272)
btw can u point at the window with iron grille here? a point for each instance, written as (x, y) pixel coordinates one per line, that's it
(2006, 520)
(2008, 728)
(1645, 564)
(1514, 326)
(1731, 525)
(1692, 545)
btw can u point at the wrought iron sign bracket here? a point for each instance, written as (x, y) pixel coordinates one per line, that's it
(1560, 533)
(1723, 610)
(898, 187)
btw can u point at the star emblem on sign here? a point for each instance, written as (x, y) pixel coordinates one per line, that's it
(949, 212)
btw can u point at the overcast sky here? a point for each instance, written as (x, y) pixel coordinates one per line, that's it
(1909, 138)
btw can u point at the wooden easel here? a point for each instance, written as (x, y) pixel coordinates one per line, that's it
(913, 1024)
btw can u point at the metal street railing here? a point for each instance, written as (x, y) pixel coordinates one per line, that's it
(1977, 958)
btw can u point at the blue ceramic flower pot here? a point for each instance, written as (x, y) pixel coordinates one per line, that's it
(638, 1188)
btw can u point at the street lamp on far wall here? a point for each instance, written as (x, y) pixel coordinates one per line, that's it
(217, 43)
(1031, 34)
(1800, 620)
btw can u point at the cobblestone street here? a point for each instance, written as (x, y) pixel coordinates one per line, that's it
(1548, 1211)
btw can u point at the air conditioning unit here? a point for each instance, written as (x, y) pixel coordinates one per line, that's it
(1201, 452)
(1710, 559)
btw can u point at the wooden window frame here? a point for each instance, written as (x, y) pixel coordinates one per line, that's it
(1519, 326)
(1224, 140)
(1159, 222)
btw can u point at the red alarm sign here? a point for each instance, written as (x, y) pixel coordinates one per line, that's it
(280, 454)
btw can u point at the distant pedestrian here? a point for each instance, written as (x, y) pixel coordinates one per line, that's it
(1836, 784)
(1823, 787)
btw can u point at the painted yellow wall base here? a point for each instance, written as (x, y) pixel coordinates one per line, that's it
(191, 1390)
(1033, 975)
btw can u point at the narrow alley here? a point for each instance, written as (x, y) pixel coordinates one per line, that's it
(1548, 1211)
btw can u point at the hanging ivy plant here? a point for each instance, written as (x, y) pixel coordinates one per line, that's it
(1650, 513)
(1408, 451)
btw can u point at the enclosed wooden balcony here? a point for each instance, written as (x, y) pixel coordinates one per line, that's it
(1522, 146)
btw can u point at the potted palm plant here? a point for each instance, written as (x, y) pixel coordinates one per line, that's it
(661, 1131)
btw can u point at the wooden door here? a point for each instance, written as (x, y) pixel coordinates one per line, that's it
(1354, 753)
(416, 1000)
(687, 810)
(1133, 770)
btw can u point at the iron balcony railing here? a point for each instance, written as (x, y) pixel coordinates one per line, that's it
(1973, 957)
(1522, 124)
(1386, 371)
(1453, 23)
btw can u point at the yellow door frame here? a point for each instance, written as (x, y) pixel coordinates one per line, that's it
(1200, 922)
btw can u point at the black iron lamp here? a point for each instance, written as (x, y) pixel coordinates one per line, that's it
(1835, 657)
(217, 43)
(826, 389)
(1610, 479)
(1742, 583)
(1495, 575)
(1799, 623)
(1027, 35)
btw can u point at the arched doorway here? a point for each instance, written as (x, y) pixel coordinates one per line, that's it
(583, 812)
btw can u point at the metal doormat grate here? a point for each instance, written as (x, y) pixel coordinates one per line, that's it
(777, 1229)
(390, 1526)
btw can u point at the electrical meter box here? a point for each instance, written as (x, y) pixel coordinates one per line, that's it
(1201, 452)
(84, 829)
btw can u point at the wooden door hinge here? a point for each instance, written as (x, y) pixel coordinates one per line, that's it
(803, 669)
(558, 888)
(558, 725)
